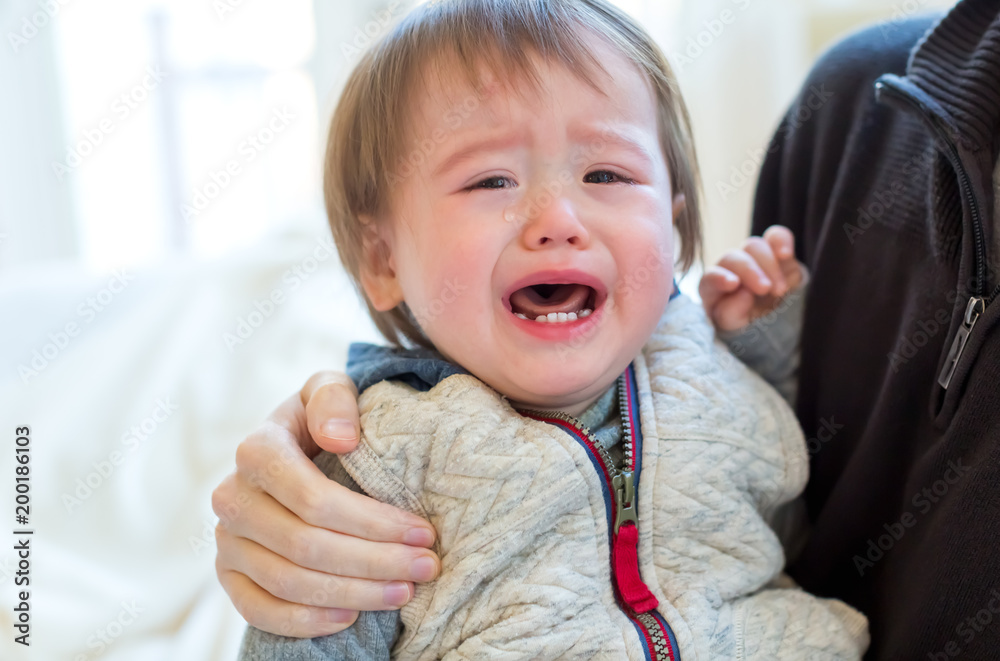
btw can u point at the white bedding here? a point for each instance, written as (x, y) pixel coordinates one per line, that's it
(133, 559)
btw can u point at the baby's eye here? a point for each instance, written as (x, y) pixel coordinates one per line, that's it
(493, 183)
(606, 177)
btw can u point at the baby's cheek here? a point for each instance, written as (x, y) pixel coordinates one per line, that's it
(451, 294)
(649, 267)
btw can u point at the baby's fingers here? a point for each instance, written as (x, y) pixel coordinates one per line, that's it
(733, 312)
(716, 283)
(761, 252)
(749, 271)
(781, 240)
(782, 243)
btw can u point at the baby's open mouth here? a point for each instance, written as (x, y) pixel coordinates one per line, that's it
(553, 303)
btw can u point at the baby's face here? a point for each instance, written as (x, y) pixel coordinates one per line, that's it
(533, 242)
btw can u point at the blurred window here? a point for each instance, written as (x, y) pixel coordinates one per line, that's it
(192, 124)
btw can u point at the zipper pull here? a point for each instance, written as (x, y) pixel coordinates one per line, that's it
(624, 486)
(972, 312)
(625, 547)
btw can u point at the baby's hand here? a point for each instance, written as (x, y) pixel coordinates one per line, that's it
(749, 282)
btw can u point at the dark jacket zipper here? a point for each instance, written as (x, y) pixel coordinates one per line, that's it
(977, 303)
(622, 485)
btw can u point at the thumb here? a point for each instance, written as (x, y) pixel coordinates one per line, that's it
(331, 403)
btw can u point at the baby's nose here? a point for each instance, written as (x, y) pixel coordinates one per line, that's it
(550, 219)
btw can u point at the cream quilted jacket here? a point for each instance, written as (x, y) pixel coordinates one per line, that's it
(523, 515)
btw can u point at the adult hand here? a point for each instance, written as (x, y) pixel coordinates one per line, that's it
(299, 554)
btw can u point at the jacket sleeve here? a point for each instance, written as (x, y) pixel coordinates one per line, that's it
(770, 345)
(370, 638)
(787, 624)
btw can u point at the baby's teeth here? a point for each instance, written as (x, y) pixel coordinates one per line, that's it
(560, 317)
(520, 316)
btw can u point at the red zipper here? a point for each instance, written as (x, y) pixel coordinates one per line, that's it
(634, 596)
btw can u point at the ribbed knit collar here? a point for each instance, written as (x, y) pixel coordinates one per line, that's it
(958, 64)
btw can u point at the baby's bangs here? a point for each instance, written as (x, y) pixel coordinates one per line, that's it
(507, 39)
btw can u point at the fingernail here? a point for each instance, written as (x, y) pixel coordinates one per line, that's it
(341, 430)
(396, 594)
(423, 569)
(337, 615)
(418, 537)
(765, 281)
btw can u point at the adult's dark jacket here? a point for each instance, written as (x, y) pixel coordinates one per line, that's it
(884, 170)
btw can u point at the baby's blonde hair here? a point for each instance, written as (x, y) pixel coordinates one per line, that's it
(366, 152)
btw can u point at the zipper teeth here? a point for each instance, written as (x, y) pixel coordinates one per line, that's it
(661, 646)
(623, 409)
(583, 429)
(963, 178)
(977, 228)
(992, 297)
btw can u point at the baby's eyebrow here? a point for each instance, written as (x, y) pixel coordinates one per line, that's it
(589, 138)
(492, 143)
(592, 139)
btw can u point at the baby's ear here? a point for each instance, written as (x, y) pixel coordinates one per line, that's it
(680, 204)
(377, 270)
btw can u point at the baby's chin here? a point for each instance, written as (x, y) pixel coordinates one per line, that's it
(572, 394)
(547, 381)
